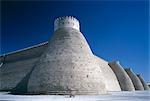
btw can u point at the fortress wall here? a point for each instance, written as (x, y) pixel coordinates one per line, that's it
(110, 78)
(135, 80)
(13, 72)
(30, 52)
(15, 65)
(123, 78)
(145, 85)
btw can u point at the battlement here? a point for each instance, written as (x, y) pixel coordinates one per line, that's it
(67, 21)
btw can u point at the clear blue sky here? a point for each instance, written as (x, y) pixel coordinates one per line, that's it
(115, 30)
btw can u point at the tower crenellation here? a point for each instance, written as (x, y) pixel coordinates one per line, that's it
(65, 22)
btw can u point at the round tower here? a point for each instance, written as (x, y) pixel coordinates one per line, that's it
(135, 80)
(123, 78)
(143, 82)
(67, 64)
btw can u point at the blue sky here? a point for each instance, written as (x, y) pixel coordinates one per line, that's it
(115, 30)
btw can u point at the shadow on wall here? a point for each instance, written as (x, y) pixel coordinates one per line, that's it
(21, 88)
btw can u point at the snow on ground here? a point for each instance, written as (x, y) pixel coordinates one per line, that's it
(111, 96)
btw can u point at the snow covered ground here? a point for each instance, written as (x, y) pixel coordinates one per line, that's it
(111, 96)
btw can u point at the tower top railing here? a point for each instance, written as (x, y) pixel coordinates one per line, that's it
(66, 21)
